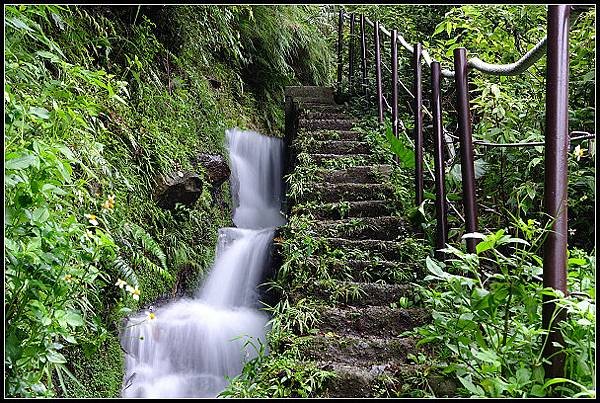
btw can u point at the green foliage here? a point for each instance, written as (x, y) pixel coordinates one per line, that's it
(283, 375)
(487, 316)
(97, 109)
(512, 109)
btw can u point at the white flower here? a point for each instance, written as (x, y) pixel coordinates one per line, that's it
(579, 152)
(92, 219)
(120, 283)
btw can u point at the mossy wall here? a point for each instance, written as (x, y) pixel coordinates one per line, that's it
(100, 102)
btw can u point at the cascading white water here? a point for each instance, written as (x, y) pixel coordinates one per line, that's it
(192, 345)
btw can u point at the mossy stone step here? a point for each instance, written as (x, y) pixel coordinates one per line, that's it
(386, 228)
(369, 270)
(359, 174)
(334, 211)
(343, 160)
(339, 124)
(337, 192)
(368, 248)
(310, 105)
(375, 380)
(359, 351)
(380, 321)
(308, 114)
(325, 134)
(381, 294)
(340, 147)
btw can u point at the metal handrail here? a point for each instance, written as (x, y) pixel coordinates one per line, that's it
(510, 69)
(557, 138)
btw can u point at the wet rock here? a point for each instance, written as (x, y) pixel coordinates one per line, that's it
(377, 370)
(178, 187)
(216, 168)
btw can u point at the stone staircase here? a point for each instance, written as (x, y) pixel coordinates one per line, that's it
(360, 339)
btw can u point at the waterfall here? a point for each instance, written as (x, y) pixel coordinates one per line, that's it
(193, 344)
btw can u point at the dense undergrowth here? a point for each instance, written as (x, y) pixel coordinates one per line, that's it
(486, 307)
(100, 102)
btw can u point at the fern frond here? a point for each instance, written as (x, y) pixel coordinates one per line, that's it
(126, 271)
(149, 244)
(141, 260)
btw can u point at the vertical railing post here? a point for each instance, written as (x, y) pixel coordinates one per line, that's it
(351, 55)
(466, 145)
(438, 160)
(394, 54)
(418, 108)
(363, 55)
(378, 72)
(340, 45)
(555, 191)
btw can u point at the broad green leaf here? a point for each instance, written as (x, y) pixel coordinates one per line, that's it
(55, 357)
(40, 214)
(41, 113)
(74, 319)
(25, 161)
(406, 156)
(435, 269)
(17, 23)
(474, 389)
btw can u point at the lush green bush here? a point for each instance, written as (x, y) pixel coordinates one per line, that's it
(486, 310)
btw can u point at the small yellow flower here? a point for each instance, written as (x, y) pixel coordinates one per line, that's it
(120, 283)
(92, 219)
(579, 152)
(68, 278)
(109, 204)
(151, 316)
(135, 293)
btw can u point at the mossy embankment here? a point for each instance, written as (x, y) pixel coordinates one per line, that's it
(100, 104)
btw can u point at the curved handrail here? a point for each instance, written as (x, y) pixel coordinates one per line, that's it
(511, 69)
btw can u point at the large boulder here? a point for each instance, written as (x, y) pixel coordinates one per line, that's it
(178, 187)
(216, 168)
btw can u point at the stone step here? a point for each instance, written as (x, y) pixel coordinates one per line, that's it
(368, 293)
(350, 135)
(307, 105)
(386, 228)
(382, 380)
(308, 114)
(341, 160)
(332, 124)
(341, 147)
(363, 351)
(358, 174)
(367, 248)
(334, 211)
(381, 321)
(369, 270)
(337, 192)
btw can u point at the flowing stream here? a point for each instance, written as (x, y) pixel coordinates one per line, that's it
(193, 344)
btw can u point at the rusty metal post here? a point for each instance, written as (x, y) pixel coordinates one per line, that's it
(438, 160)
(351, 55)
(466, 145)
(378, 72)
(340, 45)
(363, 54)
(394, 54)
(555, 192)
(418, 108)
